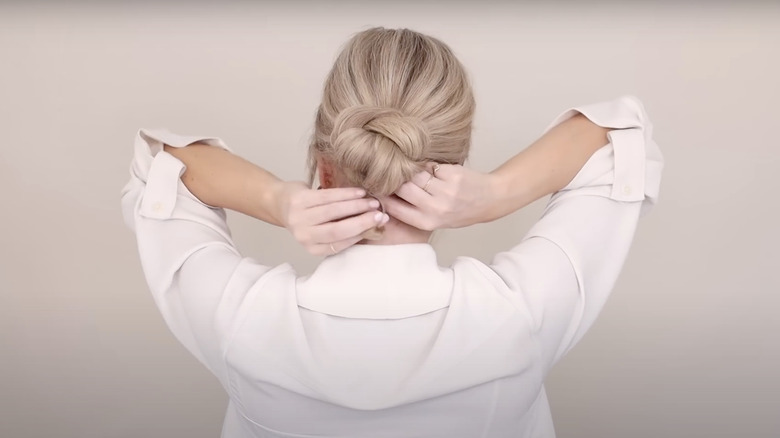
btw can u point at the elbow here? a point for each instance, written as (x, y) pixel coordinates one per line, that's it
(586, 131)
(634, 109)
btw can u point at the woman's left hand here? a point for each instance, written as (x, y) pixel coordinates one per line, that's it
(327, 221)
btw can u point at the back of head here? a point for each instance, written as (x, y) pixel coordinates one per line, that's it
(394, 100)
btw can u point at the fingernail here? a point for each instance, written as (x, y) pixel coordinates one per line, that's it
(379, 216)
(373, 203)
(385, 218)
(360, 193)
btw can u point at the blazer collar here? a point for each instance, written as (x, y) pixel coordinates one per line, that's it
(378, 282)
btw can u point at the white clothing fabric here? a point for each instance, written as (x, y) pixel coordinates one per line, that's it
(381, 341)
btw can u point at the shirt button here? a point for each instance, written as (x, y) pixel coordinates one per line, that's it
(627, 190)
(157, 207)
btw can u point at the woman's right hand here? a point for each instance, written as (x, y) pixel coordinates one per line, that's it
(455, 197)
(327, 221)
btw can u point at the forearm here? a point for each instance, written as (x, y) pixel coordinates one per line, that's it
(546, 166)
(221, 179)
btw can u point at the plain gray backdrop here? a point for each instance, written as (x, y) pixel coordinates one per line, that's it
(686, 347)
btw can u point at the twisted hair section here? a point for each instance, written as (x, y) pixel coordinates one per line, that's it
(378, 148)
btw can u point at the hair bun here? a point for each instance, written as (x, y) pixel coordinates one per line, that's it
(406, 133)
(378, 148)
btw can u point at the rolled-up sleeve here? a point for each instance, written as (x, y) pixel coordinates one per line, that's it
(196, 275)
(567, 265)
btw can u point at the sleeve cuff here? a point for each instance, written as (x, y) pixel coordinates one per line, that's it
(632, 159)
(161, 171)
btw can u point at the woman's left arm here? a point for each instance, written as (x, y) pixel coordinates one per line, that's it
(196, 275)
(316, 218)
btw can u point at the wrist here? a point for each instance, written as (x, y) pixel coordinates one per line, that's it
(275, 201)
(498, 195)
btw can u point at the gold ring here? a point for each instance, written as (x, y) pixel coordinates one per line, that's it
(425, 187)
(436, 167)
(332, 248)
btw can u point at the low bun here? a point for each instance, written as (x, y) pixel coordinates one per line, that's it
(377, 148)
(394, 100)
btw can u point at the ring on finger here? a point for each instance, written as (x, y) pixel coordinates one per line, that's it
(425, 187)
(436, 168)
(332, 249)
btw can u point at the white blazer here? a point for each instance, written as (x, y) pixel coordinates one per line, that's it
(381, 340)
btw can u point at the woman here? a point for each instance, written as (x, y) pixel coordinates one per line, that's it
(380, 340)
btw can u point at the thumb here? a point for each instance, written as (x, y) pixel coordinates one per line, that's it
(405, 212)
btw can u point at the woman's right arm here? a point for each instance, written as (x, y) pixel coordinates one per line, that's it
(567, 264)
(460, 197)
(546, 166)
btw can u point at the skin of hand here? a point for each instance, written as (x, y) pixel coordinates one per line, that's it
(327, 221)
(456, 197)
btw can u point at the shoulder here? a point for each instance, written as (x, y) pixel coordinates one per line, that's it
(474, 277)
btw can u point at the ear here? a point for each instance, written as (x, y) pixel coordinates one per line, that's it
(325, 170)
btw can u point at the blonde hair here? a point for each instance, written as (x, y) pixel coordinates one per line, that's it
(394, 100)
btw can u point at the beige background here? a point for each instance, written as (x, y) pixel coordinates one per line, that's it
(687, 346)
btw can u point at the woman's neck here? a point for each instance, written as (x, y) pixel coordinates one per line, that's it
(397, 232)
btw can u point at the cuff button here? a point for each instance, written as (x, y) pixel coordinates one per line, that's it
(627, 190)
(157, 207)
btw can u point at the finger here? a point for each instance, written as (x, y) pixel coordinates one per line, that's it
(347, 228)
(327, 196)
(340, 210)
(413, 194)
(429, 183)
(442, 172)
(324, 249)
(407, 213)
